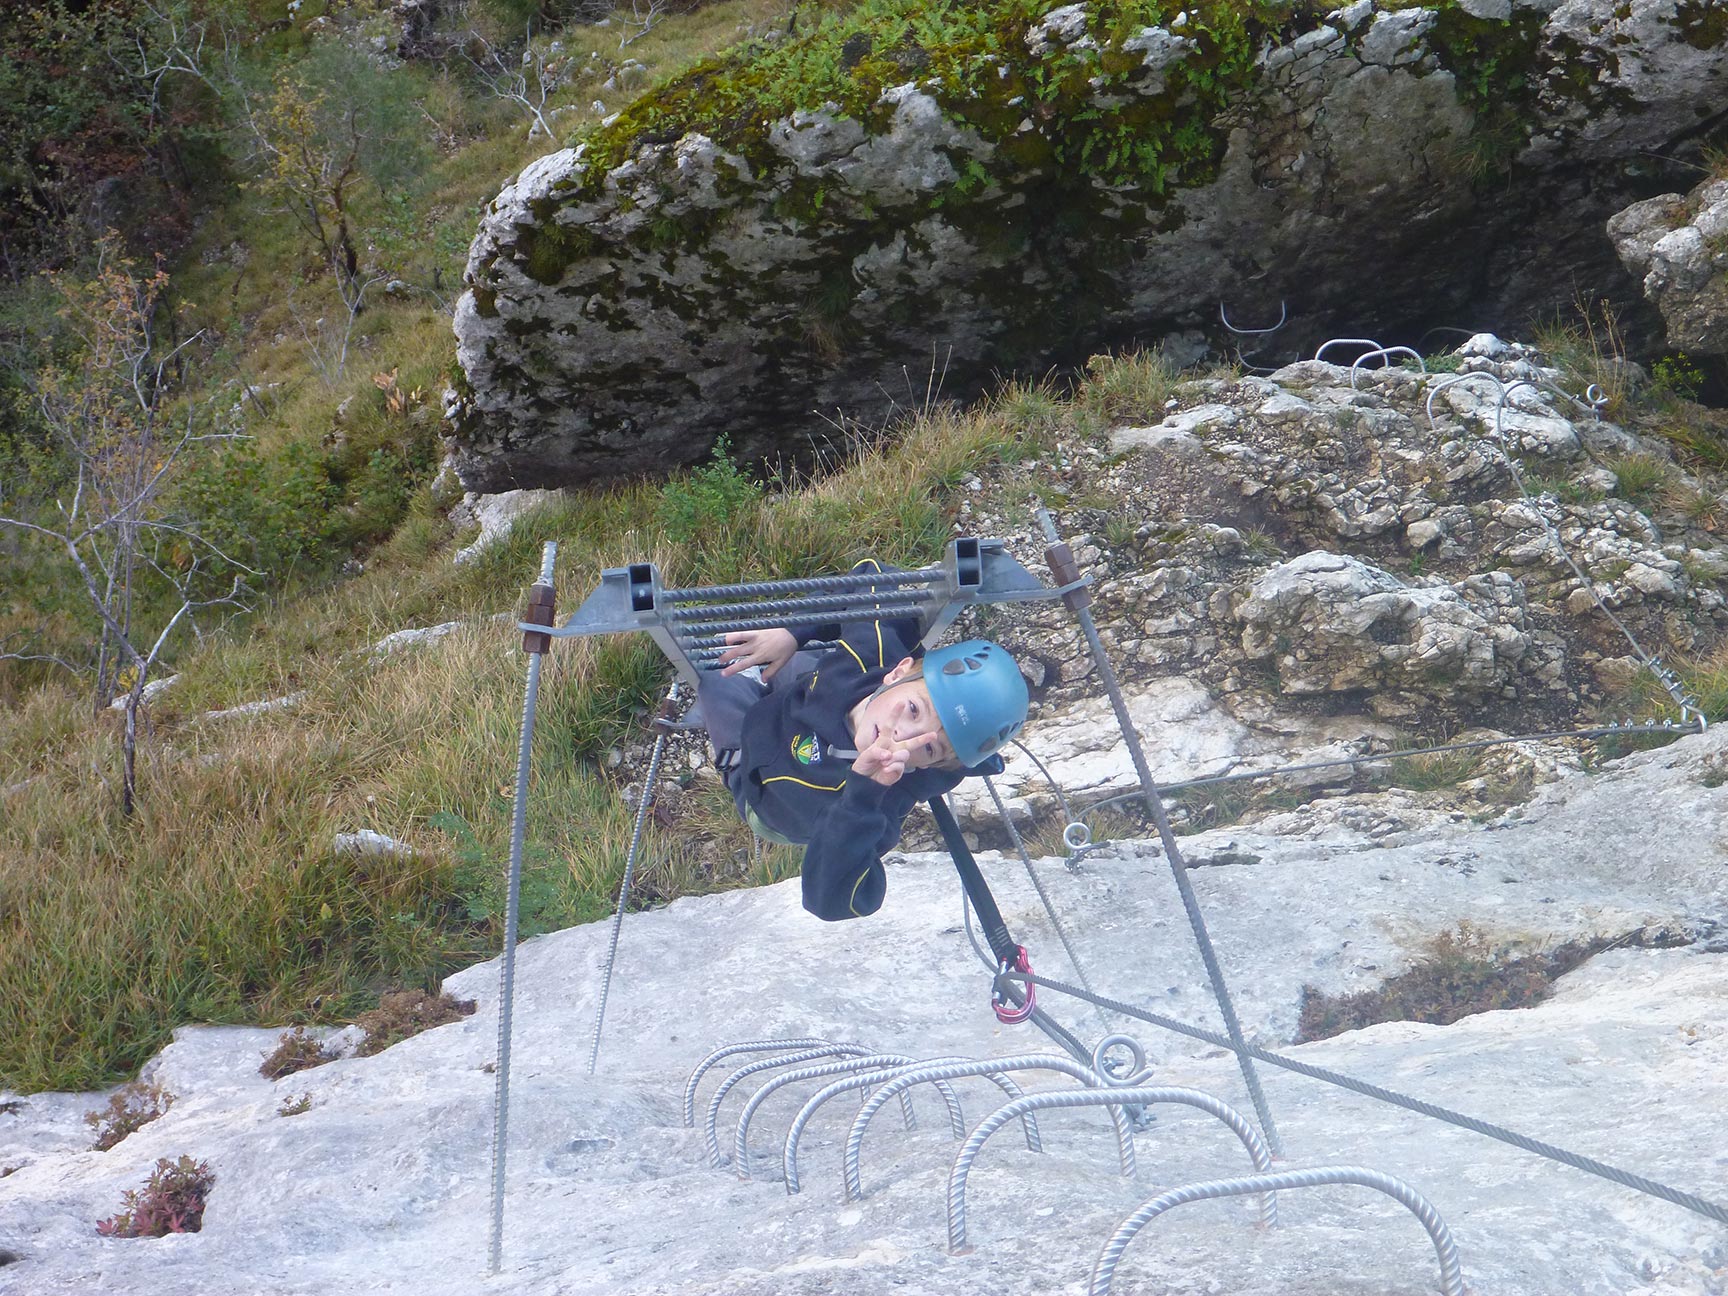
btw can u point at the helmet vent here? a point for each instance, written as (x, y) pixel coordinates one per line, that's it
(954, 666)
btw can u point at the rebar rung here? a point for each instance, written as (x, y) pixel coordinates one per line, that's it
(818, 603)
(1109, 1096)
(957, 1070)
(805, 584)
(1451, 1278)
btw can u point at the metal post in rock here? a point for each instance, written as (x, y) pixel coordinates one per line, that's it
(535, 643)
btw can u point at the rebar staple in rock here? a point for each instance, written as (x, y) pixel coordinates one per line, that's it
(1143, 1096)
(1451, 1280)
(747, 1046)
(767, 1064)
(1383, 353)
(1332, 342)
(789, 1157)
(959, 1070)
(883, 1066)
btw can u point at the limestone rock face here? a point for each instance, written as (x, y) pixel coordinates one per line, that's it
(633, 299)
(382, 1183)
(1333, 554)
(1334, 624)
(1679, 245)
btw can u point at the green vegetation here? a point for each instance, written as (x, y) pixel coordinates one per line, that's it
(1640, 476)
(1495, 65)
(974, 58)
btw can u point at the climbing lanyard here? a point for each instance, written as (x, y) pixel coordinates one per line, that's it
(1010, 1007)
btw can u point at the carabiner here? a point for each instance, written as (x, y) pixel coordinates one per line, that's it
(1006, 1012)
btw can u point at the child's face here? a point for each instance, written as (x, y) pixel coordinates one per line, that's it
(903, 712)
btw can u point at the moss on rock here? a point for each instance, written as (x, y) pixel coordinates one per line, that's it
(1077, 104)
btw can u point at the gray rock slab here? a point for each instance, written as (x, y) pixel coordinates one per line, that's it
(383, 1185)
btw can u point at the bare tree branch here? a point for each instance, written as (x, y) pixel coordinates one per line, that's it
(529, 82)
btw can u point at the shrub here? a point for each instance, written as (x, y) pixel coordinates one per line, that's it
(171, 1201)
(129, 1110)
(708, 502)
(408, 1012)
(1132, 385)
(296, 1051)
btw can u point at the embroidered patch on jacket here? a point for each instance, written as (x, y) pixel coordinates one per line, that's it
(806, 750)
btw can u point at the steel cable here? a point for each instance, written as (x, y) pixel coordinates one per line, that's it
(1601, 1169)
(1037, 883)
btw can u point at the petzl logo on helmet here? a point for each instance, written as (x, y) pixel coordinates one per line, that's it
(806, 750)
(960, 714)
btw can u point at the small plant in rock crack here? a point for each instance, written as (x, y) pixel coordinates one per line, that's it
(408, 1012)
(295, 1051)
(128, 1109)
(295, 1106)
(171, 1201)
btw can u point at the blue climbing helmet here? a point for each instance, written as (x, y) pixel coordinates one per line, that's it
(979, 697)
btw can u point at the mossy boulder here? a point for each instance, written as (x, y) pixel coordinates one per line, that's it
(909, 193)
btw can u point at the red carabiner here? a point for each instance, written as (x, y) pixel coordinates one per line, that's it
(1006, 1012)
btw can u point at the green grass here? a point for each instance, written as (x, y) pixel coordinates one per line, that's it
(1641, 477)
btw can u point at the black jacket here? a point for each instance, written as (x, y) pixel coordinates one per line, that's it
(797, 753)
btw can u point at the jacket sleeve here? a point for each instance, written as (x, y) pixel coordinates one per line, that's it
(843, 875)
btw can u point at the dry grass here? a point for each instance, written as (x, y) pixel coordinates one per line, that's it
(1459, 973)
(406, 1013)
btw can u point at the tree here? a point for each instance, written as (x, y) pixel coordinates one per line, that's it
(327, 128)
(144, 569)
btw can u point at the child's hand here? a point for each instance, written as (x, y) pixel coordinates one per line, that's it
(885, 761)
(769, 649)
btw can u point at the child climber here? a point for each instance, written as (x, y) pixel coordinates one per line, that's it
(832, 751)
